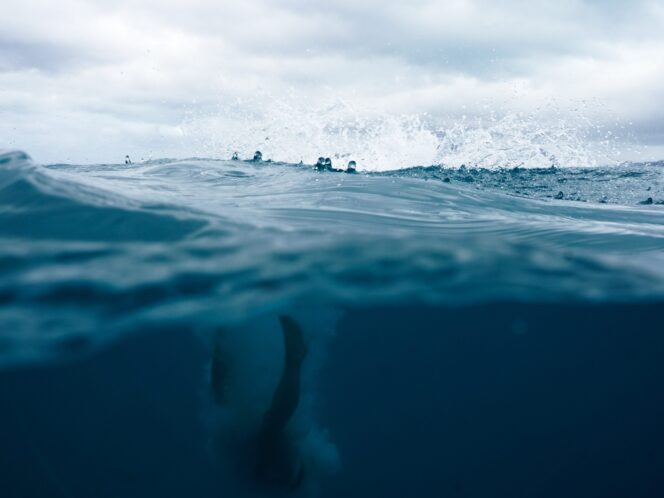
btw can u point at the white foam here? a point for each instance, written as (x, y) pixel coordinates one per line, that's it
(292, 129)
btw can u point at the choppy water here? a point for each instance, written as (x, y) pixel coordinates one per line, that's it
(90, 254)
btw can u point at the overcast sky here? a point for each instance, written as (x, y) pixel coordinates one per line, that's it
(89, 81)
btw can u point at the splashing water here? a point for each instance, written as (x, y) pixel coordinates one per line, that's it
(294, 129)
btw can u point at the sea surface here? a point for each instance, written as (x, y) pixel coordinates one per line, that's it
(471, 332)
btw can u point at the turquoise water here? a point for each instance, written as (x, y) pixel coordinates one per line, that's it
(471, 332)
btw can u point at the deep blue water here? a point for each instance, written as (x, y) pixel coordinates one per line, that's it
(469, 334)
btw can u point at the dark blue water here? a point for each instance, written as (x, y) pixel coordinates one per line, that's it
(469, 334)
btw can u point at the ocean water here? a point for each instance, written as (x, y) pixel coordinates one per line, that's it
(471, 331)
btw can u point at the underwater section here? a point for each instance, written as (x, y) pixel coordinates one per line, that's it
(255, 328)
(505, 399)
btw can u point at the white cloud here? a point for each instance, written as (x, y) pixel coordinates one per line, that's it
(90, 81)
